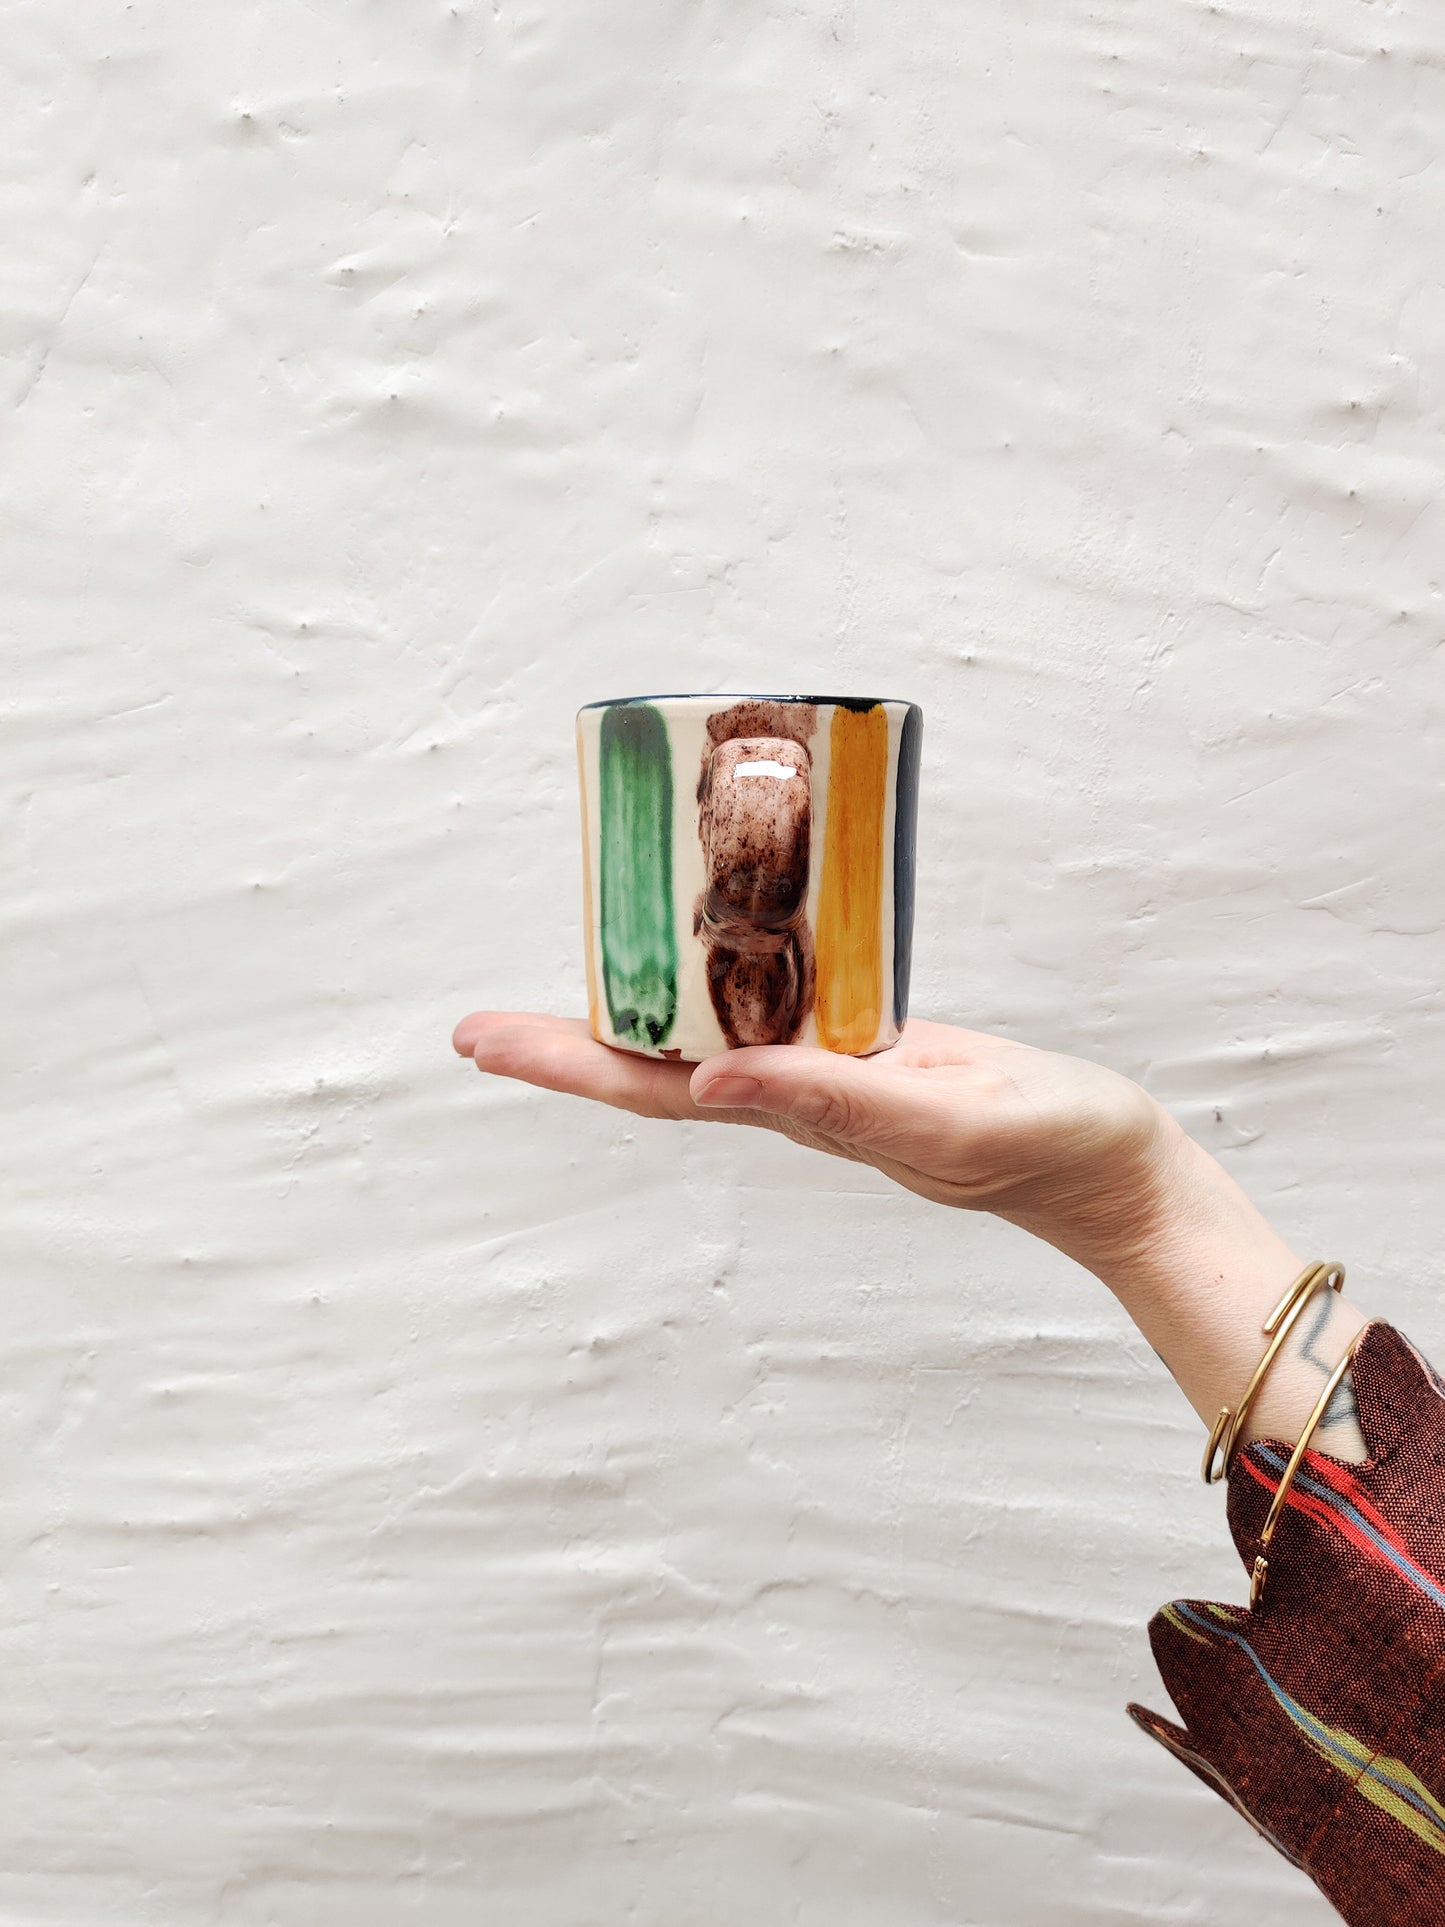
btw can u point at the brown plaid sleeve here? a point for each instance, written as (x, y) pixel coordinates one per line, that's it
(1321, 1715)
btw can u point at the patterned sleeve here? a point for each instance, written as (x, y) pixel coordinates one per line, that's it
(1321, 1715)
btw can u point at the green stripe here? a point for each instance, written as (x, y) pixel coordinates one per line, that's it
(638, 927)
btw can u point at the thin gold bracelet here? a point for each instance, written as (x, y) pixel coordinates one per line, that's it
(1296, 1458)
(1223, 1446)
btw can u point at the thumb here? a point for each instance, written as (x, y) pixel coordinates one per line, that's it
(840, 1097)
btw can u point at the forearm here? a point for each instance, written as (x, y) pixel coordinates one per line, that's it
(1198, 1269)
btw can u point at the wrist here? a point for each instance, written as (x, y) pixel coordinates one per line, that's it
(1150, 1209)
(1199, 1268)
(1200, 1273)
(1189, 1233)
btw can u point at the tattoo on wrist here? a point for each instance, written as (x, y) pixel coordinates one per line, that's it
(1341, 1409)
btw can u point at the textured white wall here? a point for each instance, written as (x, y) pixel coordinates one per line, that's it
(431, 1502)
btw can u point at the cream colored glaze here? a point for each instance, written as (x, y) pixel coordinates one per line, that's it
(429, 1501)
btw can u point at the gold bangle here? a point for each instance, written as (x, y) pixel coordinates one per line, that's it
(1219, 1454)
(1272, 1517)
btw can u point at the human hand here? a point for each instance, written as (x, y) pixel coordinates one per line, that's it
(1070, 1151)
(1065, 1148)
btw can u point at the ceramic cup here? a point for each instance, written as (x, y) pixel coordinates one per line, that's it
(748, 870)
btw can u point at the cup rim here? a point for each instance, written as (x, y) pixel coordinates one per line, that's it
(857, 703)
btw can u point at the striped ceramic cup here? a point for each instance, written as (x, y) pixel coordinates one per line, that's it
(748, 870)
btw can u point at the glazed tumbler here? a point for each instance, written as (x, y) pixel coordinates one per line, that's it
(748, 870)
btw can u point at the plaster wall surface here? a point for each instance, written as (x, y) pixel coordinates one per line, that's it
(428, 1501)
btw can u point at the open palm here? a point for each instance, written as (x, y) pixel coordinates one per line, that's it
(955, 1115)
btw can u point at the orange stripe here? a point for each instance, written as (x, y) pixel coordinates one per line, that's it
(587, 889)
(850, 902)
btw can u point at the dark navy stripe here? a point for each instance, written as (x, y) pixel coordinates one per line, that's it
(905, 857)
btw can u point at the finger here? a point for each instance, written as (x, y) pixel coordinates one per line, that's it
(854, 1100)
(467, 1032)
(564, 1056)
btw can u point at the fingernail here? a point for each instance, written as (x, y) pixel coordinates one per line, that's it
(727, 1093)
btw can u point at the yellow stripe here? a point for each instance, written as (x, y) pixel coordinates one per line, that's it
(587, 889)
(849, 1002)
(1371, 1771)
(1182, 1625)
(1432, 1832)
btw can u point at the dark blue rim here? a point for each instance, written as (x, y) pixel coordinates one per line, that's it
(753, 696)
